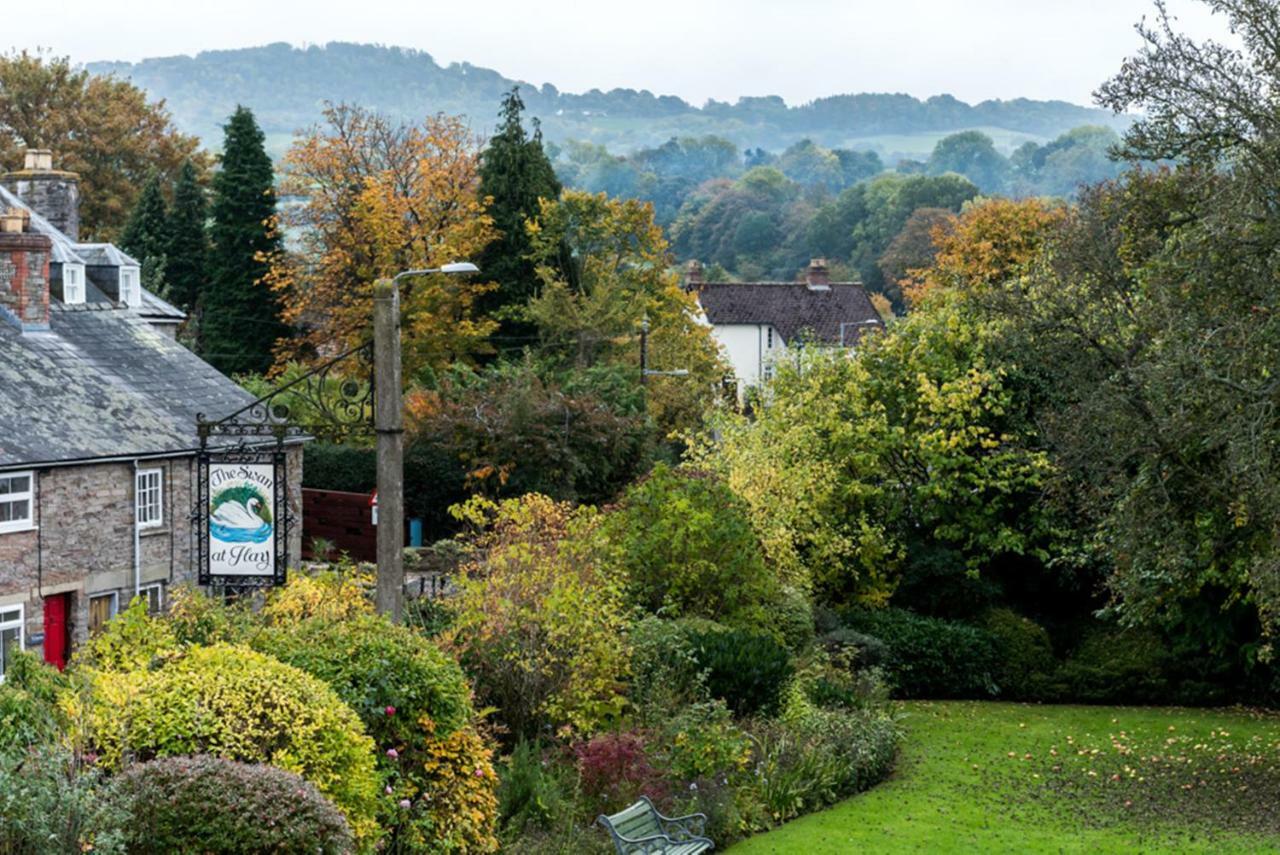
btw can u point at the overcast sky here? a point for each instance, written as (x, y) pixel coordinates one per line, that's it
(799, 49)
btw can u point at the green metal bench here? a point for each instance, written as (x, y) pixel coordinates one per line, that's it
(641, 830)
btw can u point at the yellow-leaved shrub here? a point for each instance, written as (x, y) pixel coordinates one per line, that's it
(232, 702)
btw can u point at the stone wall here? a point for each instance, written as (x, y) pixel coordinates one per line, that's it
(83, 543)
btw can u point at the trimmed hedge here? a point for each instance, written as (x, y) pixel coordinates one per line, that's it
(1025, 654)
(747, 669)
(221, 807)
(930, 657)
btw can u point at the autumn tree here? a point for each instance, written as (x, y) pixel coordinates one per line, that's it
(102, 128)
(514, 175)
(239, 321)
(382, 197)
(990, 243)
(914, 247)
(620, 275)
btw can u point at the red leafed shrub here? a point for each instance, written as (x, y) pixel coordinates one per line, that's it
(615, 770)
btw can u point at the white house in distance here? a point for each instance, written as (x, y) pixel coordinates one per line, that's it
(756, 322)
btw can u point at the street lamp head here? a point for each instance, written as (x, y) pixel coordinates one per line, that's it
(459, 267)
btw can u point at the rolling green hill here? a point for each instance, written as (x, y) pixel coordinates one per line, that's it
(287, 87)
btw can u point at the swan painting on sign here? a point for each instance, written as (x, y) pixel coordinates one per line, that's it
(241, 524)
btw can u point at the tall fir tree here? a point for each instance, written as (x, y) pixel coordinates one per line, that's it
(515, 172)
(146, 234)
(239, 313)
(187, 257)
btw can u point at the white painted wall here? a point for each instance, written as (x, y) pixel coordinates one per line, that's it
(747, 349)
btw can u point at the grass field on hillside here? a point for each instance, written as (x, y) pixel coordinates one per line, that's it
(991, 777)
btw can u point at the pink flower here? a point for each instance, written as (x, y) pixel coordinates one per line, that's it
(390, 710)
(392, 753)
(388, 790)
(404, 803)
(479, 772)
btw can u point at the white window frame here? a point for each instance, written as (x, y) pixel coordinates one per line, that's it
(73, 284)
(131, 287)
(143, 513)
(29, 496)
(114, 596)
(19, 623)
(159, 589)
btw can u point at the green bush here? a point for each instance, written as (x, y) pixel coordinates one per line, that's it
(242, 705)
(792, 616)
(412, 698)
(1024, 654)
(807, 763)
(349, 468)
(746, 668)
(376, 666)
(1111, 666)
(221, 807)
(665, 674)
(50, 802)
(688, 549)
(931, 657)
(861, 650)
(29, 712)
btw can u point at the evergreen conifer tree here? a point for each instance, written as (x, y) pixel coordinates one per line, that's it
(515, 172)
(187, 257)
(146, 234)
(239, 314)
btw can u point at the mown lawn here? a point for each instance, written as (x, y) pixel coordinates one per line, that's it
(991, 777)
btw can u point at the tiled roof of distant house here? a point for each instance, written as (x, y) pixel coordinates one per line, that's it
(816, 309)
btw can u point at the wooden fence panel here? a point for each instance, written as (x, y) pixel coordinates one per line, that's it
(343, 519)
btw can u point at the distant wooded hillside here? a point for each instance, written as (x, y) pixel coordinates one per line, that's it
(287, 86)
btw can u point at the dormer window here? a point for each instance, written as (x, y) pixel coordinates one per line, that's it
(130, 287)
(73, 284)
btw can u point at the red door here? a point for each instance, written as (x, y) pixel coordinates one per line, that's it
(57, 636)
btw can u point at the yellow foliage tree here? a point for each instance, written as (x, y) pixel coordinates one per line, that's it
(382, 197)
(991, 241)
(618, 274)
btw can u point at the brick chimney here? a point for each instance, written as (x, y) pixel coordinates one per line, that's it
(816, 277)
(24, 273)
(693, 275)
(51, 193)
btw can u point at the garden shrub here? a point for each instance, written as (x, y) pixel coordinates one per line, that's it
(30, 714)
(1112, 666)
(746, 668)
(930, 657)
(221, 807)
(129, 641)
(533, 793)
(792, 616)
(414, 702)
(808, 761)
(50, 802)
(540, 624)
(202, 619)
(337, 594)
(241, 705)
(702, 741)
(687, 548)
(1024, 653)
(834, 680)
(665, 674)
(348, 468)
(861, 650)
(614, 770)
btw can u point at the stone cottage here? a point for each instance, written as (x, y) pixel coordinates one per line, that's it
(98, 441)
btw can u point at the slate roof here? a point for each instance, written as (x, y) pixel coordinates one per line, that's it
(838, 314)
(102, 382)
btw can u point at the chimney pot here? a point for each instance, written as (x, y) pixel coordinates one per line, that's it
(38, 160)
(817, 277)
(692, 275)
(24, 277)
(53, 194)
(13, 221)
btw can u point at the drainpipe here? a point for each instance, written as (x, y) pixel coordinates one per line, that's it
(137, 537)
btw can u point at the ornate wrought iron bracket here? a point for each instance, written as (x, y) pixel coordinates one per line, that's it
(331, 405)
